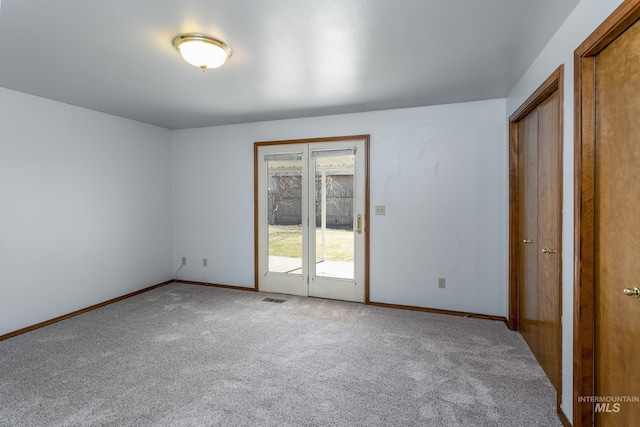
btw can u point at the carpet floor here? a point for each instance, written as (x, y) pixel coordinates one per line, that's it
(185, 355)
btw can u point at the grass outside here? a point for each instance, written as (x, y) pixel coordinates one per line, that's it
(286, 241)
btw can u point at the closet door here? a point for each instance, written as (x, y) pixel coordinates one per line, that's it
(549, 217)
(539, 237)
(528, 277)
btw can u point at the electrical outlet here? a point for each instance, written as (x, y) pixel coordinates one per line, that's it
(442, 283)
(380, 210)
(184, 260)
(204, 262)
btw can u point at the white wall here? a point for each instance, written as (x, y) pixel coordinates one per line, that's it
(85, 208)
(579, 25)
(441, 172)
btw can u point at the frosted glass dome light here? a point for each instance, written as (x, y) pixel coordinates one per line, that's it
(202, 51)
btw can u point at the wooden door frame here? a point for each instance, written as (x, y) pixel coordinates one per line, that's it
(256, 195)
(584, 204)
(555, 82)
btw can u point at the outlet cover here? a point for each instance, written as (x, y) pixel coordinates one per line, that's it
(184, 260)
(380, 210)
(442, 283)
(205, 262)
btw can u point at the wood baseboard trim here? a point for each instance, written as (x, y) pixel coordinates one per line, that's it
(378, 304)
(79, 312)
(441, 311)
(215, 285)
(563, 418)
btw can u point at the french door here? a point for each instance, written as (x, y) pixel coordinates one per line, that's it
(310, 217)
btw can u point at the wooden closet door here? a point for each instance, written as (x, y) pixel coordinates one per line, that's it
(528, 263)
(617, 229)
(549, 345)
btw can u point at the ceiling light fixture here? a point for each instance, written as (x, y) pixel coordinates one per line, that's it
(202, 51)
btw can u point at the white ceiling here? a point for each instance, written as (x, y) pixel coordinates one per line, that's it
(291, 58)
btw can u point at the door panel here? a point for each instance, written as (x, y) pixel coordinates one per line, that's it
(338, 206)
(528, 278)
(617, 227)
(281, 215)
(549, 327)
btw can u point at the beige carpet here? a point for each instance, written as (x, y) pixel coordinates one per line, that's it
(191, 355)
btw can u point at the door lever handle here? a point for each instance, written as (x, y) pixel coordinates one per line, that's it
(527, 241)
(548, 251)
(635, 292)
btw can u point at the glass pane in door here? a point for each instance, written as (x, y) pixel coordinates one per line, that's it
(284, 213)
(334, 213)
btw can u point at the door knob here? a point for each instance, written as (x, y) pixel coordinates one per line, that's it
(548, 251)
(635, 292)
(528, 241)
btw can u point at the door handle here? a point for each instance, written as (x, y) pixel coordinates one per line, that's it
(548, 251)
(359, 224)
(527, 241)
(635, 292)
